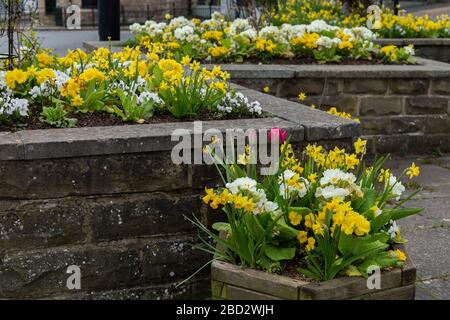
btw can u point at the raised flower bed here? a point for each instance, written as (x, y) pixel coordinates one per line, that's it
(230, 282)
(109, 200)
(403, 109)
(434, 49)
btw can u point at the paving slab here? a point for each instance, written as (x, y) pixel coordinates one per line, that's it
(436, 214)
(438, 289)
(430, 252)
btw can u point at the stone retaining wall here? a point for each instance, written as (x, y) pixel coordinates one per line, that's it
(434, 49)
(403, 109)
(110, 201)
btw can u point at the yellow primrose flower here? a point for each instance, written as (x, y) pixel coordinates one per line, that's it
(401, 256)
(266, 89)
(91, 74)
(309, 220)
(295, 218)
(302, 237)
(44, 59)
(311, 244)
(14, 77)
(44, 75)
(77, 101)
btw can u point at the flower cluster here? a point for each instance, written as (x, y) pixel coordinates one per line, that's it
(334, 111)
(326, 211)
(219, 40)
(236, 103)
(127, 84)
(390, 25)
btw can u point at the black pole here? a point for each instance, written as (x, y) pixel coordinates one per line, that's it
(10, 34)
(109, 19)
(396, 7)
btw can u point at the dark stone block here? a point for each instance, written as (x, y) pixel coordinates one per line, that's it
(37, 224)
(114, 266)
(409, 86)
(369, 86)
(91, 176)
(141, 215)
(380, 105)
(426, 105)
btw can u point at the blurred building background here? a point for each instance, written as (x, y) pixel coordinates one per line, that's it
(52, 12)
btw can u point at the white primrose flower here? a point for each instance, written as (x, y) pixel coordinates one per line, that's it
(237, 102)
(336, 183)
(10, 105)
(319, 26)
(242, 184)
(410, 50)
(147, 95)
(250, 34)
(327, 42)
(61, 78)
(292, 185)
(363, 33)
(183, 32)
(180, 22)
(330, 192)
(239, 25)
(293, 31)
(136, 28)
(334, 176)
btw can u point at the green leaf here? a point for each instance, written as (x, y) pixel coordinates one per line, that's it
(352, 271)
(279, 253)
(351, 246)
(381, 260)
(222, 226)
(366, 202)
(404, 212)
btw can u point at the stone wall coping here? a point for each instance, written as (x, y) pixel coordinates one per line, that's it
(92, 45)
(301, 122)
(414, 41)
(424, 68)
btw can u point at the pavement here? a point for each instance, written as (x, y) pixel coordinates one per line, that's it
(428, 233)
(62, 40)
(433, 10)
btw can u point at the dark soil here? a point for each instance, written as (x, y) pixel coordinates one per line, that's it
(291, 271)
(103, 119)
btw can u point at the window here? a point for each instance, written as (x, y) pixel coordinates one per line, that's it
(50, 6)
(89, 4)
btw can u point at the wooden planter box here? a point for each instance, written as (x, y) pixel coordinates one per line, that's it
(231, 282)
